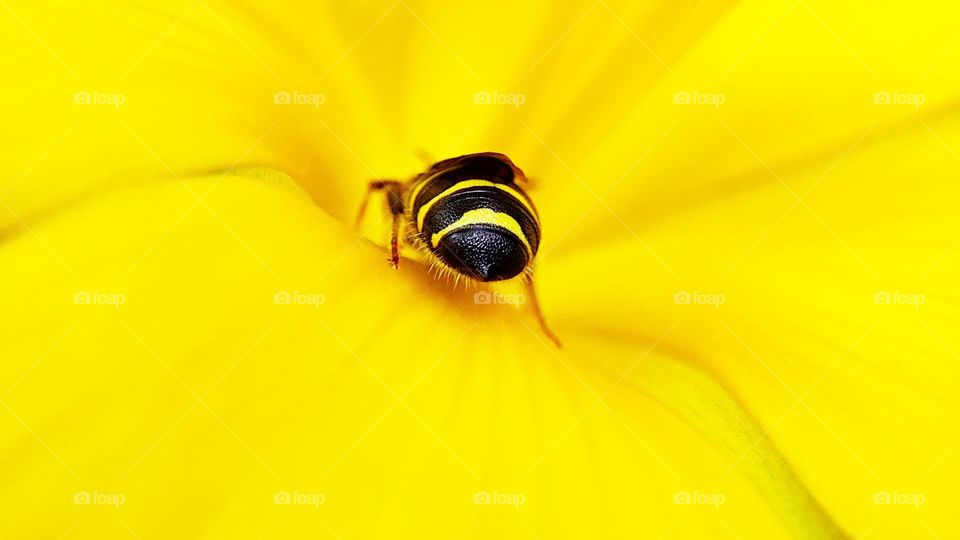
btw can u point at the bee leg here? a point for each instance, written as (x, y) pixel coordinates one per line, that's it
(376, 185)
(394, 191)
(394, 249)
(425, 157)
(395, 199)
(532, 294)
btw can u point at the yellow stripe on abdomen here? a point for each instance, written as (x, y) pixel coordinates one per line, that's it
(483, 216)
(466, 184)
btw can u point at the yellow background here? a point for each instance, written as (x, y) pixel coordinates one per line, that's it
(750, 231)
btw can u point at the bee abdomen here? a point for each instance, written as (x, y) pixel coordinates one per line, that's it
(481, 230)
(472, 215)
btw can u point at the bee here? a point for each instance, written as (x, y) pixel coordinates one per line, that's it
(470, 216)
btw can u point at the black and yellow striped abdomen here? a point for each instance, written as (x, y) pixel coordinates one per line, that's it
(472, 215)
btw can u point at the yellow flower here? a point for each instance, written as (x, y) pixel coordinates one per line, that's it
(750, 232)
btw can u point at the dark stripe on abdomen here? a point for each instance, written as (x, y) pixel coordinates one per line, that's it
(448, 173)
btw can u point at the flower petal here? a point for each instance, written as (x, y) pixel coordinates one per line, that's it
(242, 365)
(759, 91)
(826, 303)
(108, 92)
